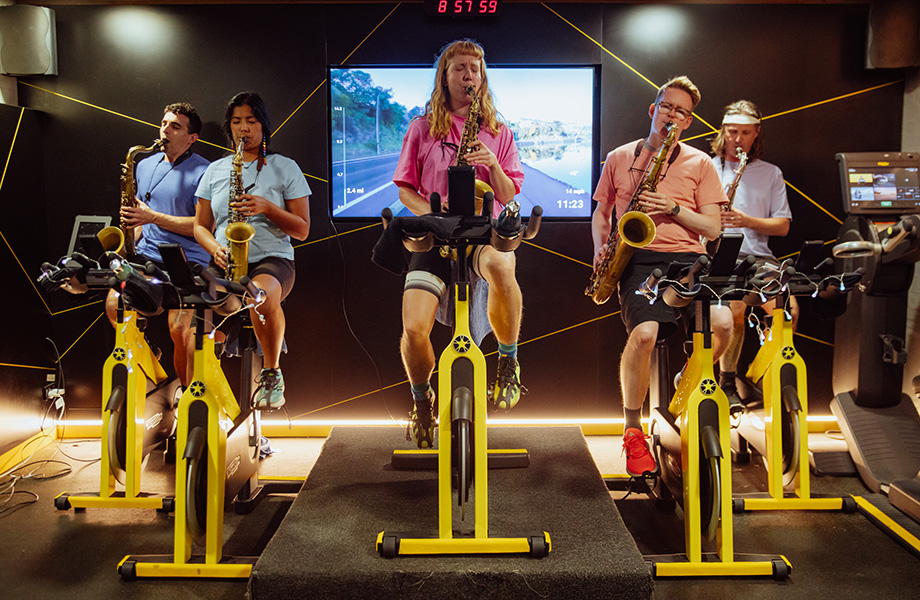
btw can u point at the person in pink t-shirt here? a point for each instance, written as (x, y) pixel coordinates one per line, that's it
(429, 148)
(685, 205)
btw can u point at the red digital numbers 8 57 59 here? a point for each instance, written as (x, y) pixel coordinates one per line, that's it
(463, 7)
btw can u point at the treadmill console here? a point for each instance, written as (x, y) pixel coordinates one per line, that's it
(880, 183)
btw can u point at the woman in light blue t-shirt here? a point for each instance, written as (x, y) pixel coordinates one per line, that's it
(277, 205)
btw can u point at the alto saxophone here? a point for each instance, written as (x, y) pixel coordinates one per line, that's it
(634, 229)
(467, 138)
(712, 246)
(121, 239)
(238, 231)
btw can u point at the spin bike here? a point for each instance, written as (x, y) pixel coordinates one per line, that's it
(778, 429)
(139, 400)
(690, 435)
(462, 449)
(218, 438)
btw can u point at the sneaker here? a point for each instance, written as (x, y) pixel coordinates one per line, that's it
(639, 459)
(507, 389)
(735, 405)
(422, 422)
(270, 393)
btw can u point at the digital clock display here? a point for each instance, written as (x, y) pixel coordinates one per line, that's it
(462, 8)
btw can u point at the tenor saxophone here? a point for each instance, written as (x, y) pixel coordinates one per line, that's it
(238, 231)
(634, 229)
(712, 246)
(733, 187)
(467, 138)
(121, 239)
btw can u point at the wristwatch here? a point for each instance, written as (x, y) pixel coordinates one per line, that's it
(674, 211)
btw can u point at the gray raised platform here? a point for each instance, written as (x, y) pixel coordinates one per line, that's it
(324, 548)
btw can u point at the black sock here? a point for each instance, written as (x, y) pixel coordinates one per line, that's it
(726, 379)
(633, 418)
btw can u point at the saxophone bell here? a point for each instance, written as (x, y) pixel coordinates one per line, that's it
(120, 239)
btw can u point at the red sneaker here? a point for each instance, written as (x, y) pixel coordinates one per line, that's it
(639, 460)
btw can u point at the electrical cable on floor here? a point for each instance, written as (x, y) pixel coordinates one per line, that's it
(348, 321)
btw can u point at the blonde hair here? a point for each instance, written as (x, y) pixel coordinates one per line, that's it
(437, 109)
(739, 107)
(681, 82)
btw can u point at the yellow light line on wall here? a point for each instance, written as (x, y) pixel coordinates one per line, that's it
(12, 144)
(813, 339)
(856, 93)
(76, 307)
(80, 336)
(618, 59)
(812, 105)
(358, 397)
(558, 331)
(601, 46)
(330, 237)
(821, 208)
(345, 60)
(558, 254)
(435, 372)
(5, 241)
(26, 366)
(315, 177)
(316, 89)
(89, 104)
(32, 283)
(323, 82)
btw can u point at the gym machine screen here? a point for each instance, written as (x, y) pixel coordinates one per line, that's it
(880, 182)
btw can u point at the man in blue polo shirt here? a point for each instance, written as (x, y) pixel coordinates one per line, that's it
(165, 213)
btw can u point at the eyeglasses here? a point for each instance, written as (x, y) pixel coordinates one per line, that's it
(667, 108)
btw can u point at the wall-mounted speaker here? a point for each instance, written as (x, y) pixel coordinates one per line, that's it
(894, 34)
(28, 40)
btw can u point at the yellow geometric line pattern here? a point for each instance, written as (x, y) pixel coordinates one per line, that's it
(343, 62)
(405, 381)
(559, 254)
(130, 118)
(792, 110)
(26, 367)
(13, 143)
(629, 67)
(620, 60)
(713, 129)
(316, 89)
(818, 206)
(60, 312)
(3, 237)
(329, 237)
(80, 336)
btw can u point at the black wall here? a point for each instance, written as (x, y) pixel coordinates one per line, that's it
(343, 315)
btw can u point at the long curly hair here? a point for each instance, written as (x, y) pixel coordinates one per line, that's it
(739, 107)
(437, 109)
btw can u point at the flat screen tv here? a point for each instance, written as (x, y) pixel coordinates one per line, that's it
(553, 111)
(880, 182)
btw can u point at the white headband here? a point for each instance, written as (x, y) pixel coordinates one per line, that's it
(740, 119)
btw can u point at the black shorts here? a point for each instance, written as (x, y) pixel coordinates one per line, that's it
(282, 269)
(432, 272)
(635, 308)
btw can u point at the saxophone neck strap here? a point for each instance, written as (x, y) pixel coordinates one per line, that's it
(674, 153)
